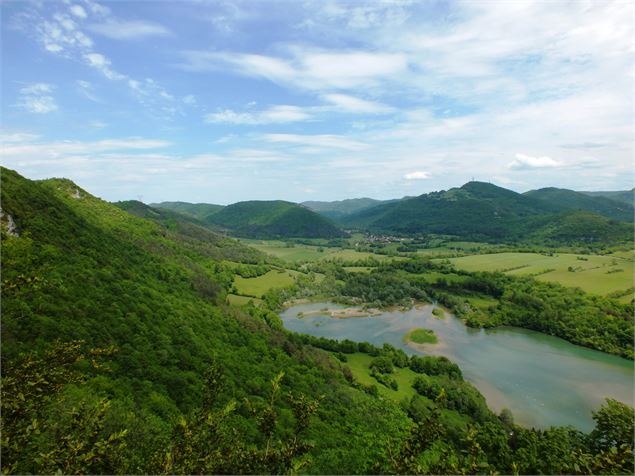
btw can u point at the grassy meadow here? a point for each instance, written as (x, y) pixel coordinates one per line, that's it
(593, 273)
(274, 279)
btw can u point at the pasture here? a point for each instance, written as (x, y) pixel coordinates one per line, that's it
(596, 274)
(256, 287)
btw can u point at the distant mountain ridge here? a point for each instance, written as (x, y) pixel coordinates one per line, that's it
(569, 199)
(625, 196)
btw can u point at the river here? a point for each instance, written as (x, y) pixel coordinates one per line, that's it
(542, 379)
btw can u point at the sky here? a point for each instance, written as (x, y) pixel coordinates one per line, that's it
(223, 101)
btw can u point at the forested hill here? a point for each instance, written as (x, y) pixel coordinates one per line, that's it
(274, 219)
(568, 199)
(198, 210)
(78, 268)
(483, 211)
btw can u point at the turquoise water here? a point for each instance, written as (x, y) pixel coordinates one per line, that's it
(542, 379)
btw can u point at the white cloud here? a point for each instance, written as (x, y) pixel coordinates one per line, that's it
(352, 104)
(102, 64)
(523, 161)
(417, 175)
(273, 115)
(306, 68)
(319, 140)
(13, 137)
(52, 150)
(78, 11)
(129, 30)
(36, 98)
(190, 100)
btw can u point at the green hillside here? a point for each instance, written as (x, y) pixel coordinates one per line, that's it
(193, 233)
(624, 196)
(274, 219)
(477, 210)
(79, 268)
(579, 201)
(481, 211)
(197, 210)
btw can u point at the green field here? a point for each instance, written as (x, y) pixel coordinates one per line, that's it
(274, 279)
(593, 273)
(298, 252)
(359, 365)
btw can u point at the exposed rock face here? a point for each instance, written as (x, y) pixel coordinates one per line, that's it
(10, 224)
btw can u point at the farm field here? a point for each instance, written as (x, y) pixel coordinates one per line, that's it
(593, 273)
(276, 278)
(298, 252)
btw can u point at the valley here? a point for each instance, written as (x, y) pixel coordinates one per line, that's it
(439, 338)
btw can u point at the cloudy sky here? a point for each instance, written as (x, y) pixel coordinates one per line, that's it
(221, 101)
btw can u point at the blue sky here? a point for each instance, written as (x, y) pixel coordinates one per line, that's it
(222, 101)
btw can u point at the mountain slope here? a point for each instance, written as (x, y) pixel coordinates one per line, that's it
(193, 233)
(579, 201)
(274, 219)
(77, 267)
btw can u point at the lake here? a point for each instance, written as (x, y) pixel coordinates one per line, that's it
(542, 379)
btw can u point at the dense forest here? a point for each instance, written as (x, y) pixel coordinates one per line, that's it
(121, 356)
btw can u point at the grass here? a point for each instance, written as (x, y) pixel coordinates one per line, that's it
(276, 278)
(359, 364)
(593, 273)
(421, 336)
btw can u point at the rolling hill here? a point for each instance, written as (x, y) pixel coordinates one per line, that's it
(274, 219)
(569, 199)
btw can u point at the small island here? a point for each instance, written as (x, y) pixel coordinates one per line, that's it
(421, 336)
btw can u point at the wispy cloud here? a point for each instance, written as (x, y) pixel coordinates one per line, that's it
(273, 115)
(305, 68)
(37, 98)
(318, 140)
(353, 104)
(129, 30)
